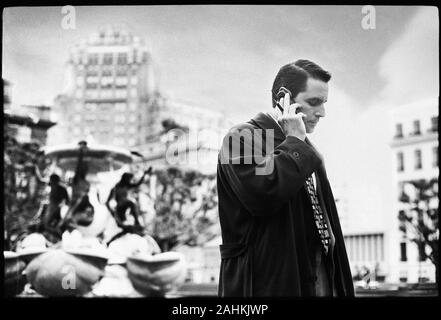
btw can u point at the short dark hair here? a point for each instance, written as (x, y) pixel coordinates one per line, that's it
(293, 76)
(126, 178)
(54, 179)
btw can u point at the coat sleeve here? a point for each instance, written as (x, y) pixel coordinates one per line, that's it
(287, 167)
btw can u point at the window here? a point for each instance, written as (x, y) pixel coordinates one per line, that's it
(107, 72)
(90, 106)
(93, 59)
(106, 93)
(132, 142)
(92, 79)
(435, 157)
(90, 117)
(78, 93)
(136, 56)
(120, 130)
(144, 56)
(106, 117)
(77, 118)
(108, 58)
(121, 71)
(134, 80)
(421, 251)
(133, 106)
(403, 252)
(121, 93)
(106, 82)
(92, 94)
(418, 160)
(120, 106)
(402, 218)
(102, 107)
(132, 118)
(80, 81)
(434, 124)
(92, 70)
(398, 130)
(400, 159)
(416, 127)
(122, 58)
(91, 86)
(133, 92)
(121, 81)
(120, 118)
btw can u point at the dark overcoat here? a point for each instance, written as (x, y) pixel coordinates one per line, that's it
(268, 232)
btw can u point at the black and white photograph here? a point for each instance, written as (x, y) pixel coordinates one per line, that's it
(223, 151)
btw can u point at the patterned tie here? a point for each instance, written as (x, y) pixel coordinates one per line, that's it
(320, 222)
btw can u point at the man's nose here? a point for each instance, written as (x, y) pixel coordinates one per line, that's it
(320, 112)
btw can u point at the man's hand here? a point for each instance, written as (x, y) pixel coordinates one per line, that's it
(290, 121)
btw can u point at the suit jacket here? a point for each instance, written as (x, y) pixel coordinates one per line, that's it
(268, 231)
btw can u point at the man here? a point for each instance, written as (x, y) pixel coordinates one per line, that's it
(280, 229)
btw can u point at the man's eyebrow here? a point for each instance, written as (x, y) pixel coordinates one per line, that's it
(317, 98)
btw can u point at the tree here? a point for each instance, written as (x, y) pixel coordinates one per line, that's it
(22, 192)
(186, 209)
(421, 219)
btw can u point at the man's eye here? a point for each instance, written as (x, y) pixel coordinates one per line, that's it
(314, 102)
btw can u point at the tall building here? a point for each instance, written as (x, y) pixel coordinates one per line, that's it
(369, 219)
(109, 91)
(415, 153)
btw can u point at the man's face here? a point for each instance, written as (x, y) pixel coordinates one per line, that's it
(312, 101)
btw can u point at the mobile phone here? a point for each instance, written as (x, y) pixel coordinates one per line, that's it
(281, 94)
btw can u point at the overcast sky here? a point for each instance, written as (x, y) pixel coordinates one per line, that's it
(226, 57)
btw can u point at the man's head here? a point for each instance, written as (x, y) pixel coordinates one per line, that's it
(54, 179)
(308, 84)
(126, 178)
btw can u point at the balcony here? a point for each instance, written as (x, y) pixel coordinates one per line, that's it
(414, 138)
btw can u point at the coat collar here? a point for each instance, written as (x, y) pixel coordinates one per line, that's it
(321, 169)
(265, 121)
